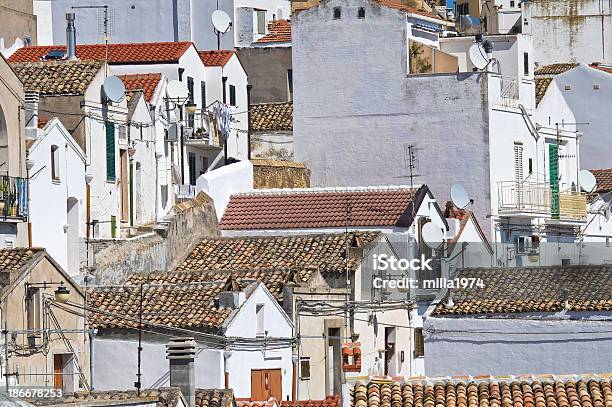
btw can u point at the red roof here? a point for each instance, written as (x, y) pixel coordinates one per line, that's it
(606, 68)
(145, 82)
(216, 58)
(318, 208)
(398, 5)
(278, 31)
(604, 180)
(148, 52)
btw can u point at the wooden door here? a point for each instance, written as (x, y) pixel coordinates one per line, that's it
(123, 184)
(265, 384)
(58, 369)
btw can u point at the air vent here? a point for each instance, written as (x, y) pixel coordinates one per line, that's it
(568, 87)
(596, 86)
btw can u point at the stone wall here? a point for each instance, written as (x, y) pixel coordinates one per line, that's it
(161, 250)
(280, 174)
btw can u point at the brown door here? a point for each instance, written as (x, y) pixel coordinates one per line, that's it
(266, 384)
(58, 368)
(123, 181)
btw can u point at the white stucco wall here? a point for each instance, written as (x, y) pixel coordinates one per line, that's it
(221, 183)
(48, 196)
(513, 346)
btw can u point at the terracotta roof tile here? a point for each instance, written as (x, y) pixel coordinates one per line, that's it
(532, 392)
(164, 397)
(317, 209)
(216, 58)
(401, 6)
(215, 398)
(278, 31)
(533, 289)
(604, 180)
(326, 252)
(57, 78)
(541, 86)
(554, 69)
(272, 117)
(329, 401)
(148, 52)
(183, 306)
(605, 68)
(145, 82)
(15, 259)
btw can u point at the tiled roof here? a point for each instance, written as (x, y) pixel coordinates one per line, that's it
(15, 259)
(605, 68)
(182, 306)
(272, 117)
(508, 392)
(278, 31)
(532, 289)
(541, 86)
(145, 82)
(274, 280)
(604, 180)
(327, 252)
(57, 78)
(215, 398)
(148, 52)
(318, 208)
(164, 397)
(271, 402)
(401, 6)
(554, 69)
(216, 58)
(329, 401)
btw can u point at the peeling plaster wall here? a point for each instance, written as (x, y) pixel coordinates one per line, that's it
(569, 30)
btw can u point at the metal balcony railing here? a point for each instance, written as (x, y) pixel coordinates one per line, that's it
(527, 197)
(13, 197)
(204, 139)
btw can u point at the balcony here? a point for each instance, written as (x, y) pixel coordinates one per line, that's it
(204, 140)
(13, 197)
(530, 199)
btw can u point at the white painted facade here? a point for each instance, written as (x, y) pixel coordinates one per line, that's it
(221, 183)
(501, 16)
(115, 356)
(518, 344)
(180, 20)
(58, 205)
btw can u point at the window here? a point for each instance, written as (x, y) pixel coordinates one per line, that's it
(123, 134)
(259, 315)
(337, 13)
(203, 93)
(518, 164)
(33, 308)
(261, 22)
(526, 63)
(419, 343)
(192, 168)
(361, 12)
(190, 89)
(305, 368)
(463, 9)
(232, 95)
(55, 160)
(290, 83)
(110, 152)
(511, 3)
(530, 166)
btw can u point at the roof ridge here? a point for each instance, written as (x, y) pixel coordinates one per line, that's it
(291, 236)
(557, 378)
(288, 191)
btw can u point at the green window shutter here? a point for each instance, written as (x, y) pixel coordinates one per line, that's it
(553, 171)
(110, 152)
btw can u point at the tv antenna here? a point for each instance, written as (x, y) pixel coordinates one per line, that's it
(221, 23)
(105, 24)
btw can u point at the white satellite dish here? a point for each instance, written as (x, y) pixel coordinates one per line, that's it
(221, 21)
(587, 181)
(432, 235)
(114, 89)
(459, 196)
(177, 91)
(478, 56)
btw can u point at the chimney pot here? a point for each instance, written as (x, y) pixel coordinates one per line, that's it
(70, 36)
(181, 355)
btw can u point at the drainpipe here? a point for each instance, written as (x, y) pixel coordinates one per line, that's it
(249, 87)
(224, 79)
(92, 336)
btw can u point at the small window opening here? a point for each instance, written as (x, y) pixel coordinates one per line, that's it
(337, 13)
(361, 12)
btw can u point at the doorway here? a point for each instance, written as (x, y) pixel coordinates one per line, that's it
(123, 184)
(137, 196)
(390, 364)
(334, 362)
(63, 371)
(72, 236)
(266, 383)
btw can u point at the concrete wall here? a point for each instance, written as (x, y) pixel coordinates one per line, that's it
(513, 346)
(358, 111)
(59, 233)
(267, 68)
(18, 21)
(115, 260)
(564, 31)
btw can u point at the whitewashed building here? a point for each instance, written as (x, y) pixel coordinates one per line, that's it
(242, 334)
(542, 320)
(58, 200)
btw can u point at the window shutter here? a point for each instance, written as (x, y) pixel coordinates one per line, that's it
(110, 151)
(553, 171)
(419, 343)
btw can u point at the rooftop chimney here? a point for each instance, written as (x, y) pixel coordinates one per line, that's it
(70, 37)
(181, 354)
(231, 296)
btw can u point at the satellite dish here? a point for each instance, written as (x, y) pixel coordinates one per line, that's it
(432, 235)
(177, 91)
(587, 181)
(478, 56)
(114, 89)
(459, 196)
(221, 21)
